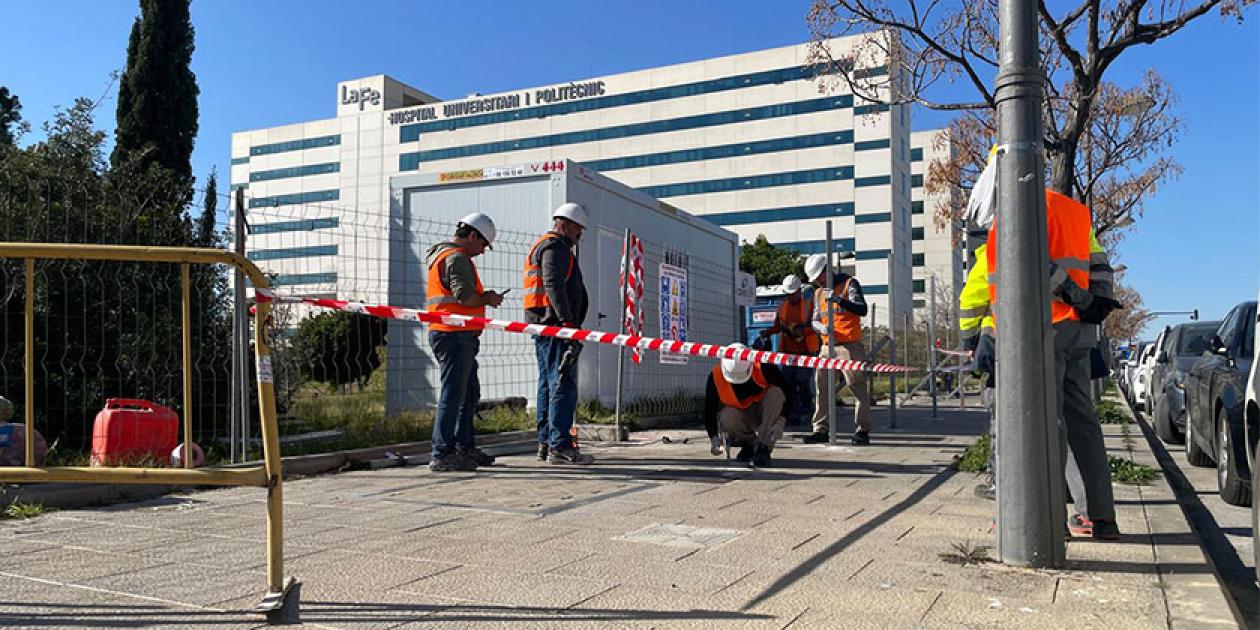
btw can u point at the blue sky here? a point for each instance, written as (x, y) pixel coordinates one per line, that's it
(261, 64)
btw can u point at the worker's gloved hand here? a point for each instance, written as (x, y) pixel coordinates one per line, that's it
(715, 445)
(1098, 309)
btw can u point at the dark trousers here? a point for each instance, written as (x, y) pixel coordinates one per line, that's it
(456, 354)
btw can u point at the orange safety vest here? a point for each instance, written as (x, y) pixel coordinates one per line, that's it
(804, 314)
(848, 326)
(440, 299)
(535, 292)
(726, 391)
(1068, 224)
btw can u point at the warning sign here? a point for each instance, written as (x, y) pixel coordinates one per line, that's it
(673, 310)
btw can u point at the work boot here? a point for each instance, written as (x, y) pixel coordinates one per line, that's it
(542, 452)
(818, 437)
(477, 455)
(861, 438)
(568, 455)
(761, 456)
(452, 462)
(745, 454)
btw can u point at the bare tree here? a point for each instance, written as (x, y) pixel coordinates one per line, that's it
(1104, 144)
(1127, 323)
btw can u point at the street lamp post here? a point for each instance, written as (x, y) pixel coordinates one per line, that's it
(1031, 511)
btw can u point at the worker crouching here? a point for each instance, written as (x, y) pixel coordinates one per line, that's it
(747, 400)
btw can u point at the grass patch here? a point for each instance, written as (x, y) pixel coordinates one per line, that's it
(21, 511)
(1109, 412)
(967, 552)
(976, 458)
(1129, 471)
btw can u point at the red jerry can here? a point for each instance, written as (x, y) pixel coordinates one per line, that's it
(130, 428)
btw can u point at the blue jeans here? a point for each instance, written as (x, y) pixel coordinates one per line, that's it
(456, 354)
(557, 394)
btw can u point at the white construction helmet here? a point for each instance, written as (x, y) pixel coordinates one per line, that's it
(572, 212)
(815, 265)
(791, 284)
(982, 203)
(736, 371)
(482, 223)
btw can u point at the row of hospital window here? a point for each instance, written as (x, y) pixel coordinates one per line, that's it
(412, 161)
(412, 132)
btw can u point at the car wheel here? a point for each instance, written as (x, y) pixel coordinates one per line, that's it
(1164, 427)
(1195, 455)
(1233, 489)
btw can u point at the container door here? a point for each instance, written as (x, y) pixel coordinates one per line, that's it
(607, 310)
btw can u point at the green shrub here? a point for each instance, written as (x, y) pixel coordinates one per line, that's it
(976, 458)
(1110, 413)
(1129, 471)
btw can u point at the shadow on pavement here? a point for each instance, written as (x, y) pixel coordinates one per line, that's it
(806, 567)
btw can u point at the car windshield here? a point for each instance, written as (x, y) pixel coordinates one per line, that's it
(1194, 340)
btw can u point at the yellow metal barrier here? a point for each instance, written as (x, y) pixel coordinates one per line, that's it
(269, 475)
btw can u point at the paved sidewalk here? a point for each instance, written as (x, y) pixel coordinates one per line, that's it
(655, 535)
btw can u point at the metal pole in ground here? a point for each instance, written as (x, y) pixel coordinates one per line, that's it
(931, 342)
(238, 308)
(621, 313)
(240, 360)
(1030, 486)
(892, 376)
(829, 286)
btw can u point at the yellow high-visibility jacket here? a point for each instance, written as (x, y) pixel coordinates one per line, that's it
(975, 313)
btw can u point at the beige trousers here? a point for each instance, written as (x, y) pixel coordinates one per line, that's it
(762, 421)
(855, 380)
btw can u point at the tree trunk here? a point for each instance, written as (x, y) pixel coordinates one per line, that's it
(1061, 170)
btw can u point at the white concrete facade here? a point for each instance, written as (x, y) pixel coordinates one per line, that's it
(938, 247)
(746, 141)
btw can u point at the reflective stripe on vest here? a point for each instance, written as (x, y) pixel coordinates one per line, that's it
(1068, 230)
(439, 298)
(535, 292)
(810, 343)
(726, 391)
(848, 326)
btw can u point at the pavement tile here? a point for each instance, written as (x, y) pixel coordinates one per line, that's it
(187, 583)
(67, 564)
(687, 576)
(474, 584)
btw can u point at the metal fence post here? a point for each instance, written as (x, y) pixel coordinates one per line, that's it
(892, 376)
(240, 341)
(1030, 486)
(621, 316)
(829, 286)
(931, 341)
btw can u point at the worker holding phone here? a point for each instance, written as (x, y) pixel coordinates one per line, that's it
(454, 287)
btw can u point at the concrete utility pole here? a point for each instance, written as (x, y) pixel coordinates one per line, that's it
(1031, 513)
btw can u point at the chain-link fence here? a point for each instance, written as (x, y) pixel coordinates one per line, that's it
(321, 249)
(110, 329)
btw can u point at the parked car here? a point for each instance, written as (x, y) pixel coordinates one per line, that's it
(1140, 371)
(1127, 369)
(1183, 345)
(1148, 369)
(1215, 387)
(1251, 416)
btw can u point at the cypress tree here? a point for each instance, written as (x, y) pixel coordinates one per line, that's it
(10, 117)
(157, 95)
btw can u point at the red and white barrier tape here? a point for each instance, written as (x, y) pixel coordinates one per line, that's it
(592, 336)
